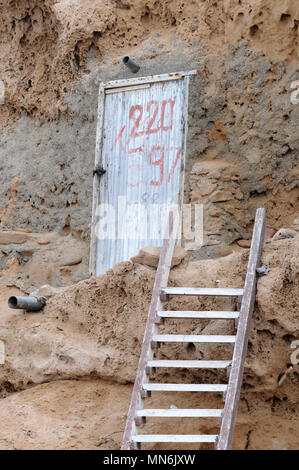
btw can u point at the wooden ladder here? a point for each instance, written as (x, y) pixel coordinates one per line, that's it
(143, 388)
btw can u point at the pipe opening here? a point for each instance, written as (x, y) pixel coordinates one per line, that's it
(29, 303)
(132, 66)
(12, 302)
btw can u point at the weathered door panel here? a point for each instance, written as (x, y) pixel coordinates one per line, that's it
(141, 140)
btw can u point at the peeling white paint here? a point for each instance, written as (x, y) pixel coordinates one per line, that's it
(142, 138)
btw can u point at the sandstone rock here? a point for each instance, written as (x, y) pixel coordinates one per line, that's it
(37, 273)
(45, 291)
(244, 243)
(295, 225)
(269, 232)
(24, 230)
(221, 196)
(44, 241)
(45, 258)
(26, 250)
(12, 237)
(212, 242)
(150, 256)
(225, 251)
(284, 233)
(215, 213)
(216, 168)
(238, 195)
(253, 156)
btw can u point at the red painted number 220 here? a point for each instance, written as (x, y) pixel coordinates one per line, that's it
(154, 125)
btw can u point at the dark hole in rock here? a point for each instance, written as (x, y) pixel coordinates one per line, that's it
(254, 29)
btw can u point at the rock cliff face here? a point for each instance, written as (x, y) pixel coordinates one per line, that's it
(44, 44)
(242, 151)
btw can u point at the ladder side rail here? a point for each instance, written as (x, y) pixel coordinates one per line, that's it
(146, 354)
(236, 374)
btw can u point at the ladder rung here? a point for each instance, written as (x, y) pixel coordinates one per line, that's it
(181, 413)
(174, 438)
(191, 364)
(193, 314)
(185, 387)
(201, 291)
(193, 339)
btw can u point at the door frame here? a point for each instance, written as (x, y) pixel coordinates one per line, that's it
(124, 85)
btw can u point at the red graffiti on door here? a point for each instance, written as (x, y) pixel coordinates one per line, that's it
(156, 117)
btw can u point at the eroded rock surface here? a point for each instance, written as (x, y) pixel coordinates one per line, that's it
(94, 329)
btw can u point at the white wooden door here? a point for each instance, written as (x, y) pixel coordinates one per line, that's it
(141, 140)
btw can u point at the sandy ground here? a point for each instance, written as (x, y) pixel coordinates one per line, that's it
(90, 414)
